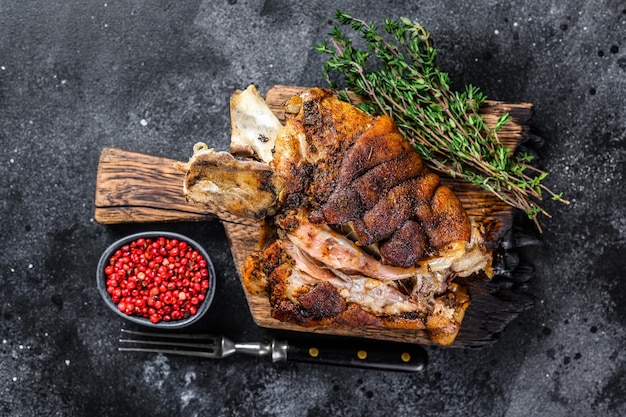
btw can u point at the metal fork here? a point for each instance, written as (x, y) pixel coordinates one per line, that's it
(387, 356)
(198, 345)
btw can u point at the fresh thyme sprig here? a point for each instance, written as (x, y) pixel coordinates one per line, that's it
(444, 126)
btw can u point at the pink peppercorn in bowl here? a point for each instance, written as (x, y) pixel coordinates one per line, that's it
(157, 279)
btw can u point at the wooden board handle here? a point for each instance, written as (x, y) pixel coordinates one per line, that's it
(133, 187)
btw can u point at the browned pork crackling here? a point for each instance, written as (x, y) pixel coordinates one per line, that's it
(357, 230)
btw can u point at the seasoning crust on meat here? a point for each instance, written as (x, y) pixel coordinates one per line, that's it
(364, 234)
(348, 167)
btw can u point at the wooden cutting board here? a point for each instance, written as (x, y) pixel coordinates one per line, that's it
(134, 187)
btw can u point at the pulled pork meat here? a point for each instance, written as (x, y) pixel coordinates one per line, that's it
(358, 231)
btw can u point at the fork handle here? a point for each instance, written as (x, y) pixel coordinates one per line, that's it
(388, 356)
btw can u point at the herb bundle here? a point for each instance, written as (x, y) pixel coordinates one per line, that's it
(443, 126)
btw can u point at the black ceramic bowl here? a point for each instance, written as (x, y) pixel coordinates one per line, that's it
(202, 307)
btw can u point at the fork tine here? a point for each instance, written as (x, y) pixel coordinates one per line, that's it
(194, 353)
(209, 346)
(172, 335)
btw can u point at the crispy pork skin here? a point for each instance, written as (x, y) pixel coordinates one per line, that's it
(361, 232)
(348, 167)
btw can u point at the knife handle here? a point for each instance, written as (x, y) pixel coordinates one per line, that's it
(388, 357)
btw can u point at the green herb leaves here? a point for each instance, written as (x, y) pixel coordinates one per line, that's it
(398, 74)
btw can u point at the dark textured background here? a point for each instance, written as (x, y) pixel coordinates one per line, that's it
(77, 76)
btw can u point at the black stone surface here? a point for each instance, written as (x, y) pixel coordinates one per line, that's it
(78, 76)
